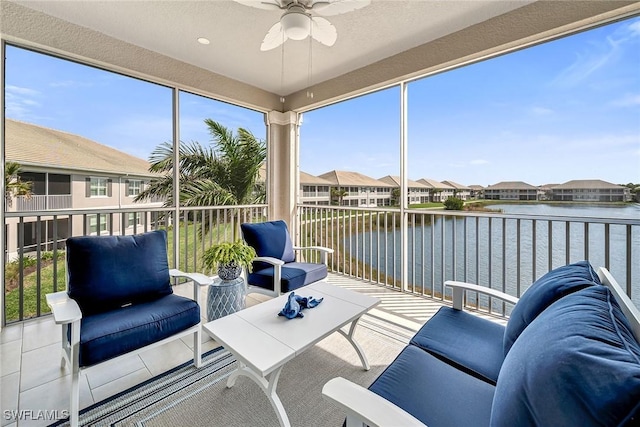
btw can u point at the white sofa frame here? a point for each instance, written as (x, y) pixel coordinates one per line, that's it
(365, 408)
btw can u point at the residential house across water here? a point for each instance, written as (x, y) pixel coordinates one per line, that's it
(356, 189)
(512, 190)
(69, 171)
(460, 191)
(417, 192)
(590, 190)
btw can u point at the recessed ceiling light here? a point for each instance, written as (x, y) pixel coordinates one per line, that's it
(203, 40)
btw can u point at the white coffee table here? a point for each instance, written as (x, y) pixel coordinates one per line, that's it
(264, 342)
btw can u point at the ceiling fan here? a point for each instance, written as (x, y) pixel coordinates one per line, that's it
(298, 23)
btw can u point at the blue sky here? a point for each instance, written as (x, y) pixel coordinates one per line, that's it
(564, 110)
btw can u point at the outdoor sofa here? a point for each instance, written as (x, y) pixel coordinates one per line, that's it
(568, 356)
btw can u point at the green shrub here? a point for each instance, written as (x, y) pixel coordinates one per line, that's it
(453, 204)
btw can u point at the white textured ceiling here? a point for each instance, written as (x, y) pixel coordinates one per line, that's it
(365, 36)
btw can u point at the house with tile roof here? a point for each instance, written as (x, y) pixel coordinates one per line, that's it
(476, 191)
(589, 190)
(356, 189)
(512, 190)
(68, 171)
(314, 190)
(438, 191)
(460, 191)
(416, 191)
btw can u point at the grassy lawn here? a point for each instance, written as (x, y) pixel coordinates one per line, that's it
(430, 205)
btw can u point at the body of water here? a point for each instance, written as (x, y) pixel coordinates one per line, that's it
(507, 254)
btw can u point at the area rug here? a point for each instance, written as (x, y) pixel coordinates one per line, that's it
(193, 397)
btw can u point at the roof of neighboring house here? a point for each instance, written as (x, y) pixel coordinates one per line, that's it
(548, 186)
(511, 185)
(395, 181)
(476, 187)
(585, 184)
(352, 179)
(32, 145)
(456, 185)
(432, 183)
(308, 179)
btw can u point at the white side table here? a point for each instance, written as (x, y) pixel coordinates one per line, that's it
(225, 297)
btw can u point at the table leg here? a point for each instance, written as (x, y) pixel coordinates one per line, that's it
(267, 385)
(354, 343)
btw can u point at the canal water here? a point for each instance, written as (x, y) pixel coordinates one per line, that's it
(491, 251)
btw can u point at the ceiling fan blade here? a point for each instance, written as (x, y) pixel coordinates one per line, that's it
(262, 4)
(274, 38)
(337, 7)
(323, 31)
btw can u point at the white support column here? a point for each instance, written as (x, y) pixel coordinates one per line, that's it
(404, 216)
(283, 166)
(2, 188)
(176, 177)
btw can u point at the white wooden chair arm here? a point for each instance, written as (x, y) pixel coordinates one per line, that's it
(364, 407)
(459, 288)
(314, 248)
(269, 260)
(324, 251)
(627, 306)
(64, 309)
(198, 278)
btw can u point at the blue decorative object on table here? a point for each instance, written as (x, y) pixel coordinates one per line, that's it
(295, 304)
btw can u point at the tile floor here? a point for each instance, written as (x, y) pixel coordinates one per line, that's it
(32, 378)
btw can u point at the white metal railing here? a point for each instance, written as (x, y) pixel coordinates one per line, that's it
(34, 262)
(502, 251)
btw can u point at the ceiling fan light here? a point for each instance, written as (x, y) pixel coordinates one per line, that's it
(296, 25)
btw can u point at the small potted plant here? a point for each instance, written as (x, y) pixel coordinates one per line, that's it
(228, 258)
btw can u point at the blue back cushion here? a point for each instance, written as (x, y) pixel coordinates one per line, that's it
(269, 239)
(105, 272)
(576, 364)
(545, 291)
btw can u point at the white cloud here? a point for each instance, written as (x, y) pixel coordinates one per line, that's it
(24, 91)
(21, 102)
(479, 162)
(627, 101)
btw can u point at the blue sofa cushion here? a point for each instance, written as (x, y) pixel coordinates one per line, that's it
(294, 276)
(105, 272)
(113, 333)
(576, 364)
(466, 341)
(269, 239)
(545, 291)
(434, 392)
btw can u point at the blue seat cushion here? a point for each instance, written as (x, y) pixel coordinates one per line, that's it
(269, 239)
(106, 272)
(468, 342)
(294, 275)
(113, 333)
(433, 391)
(545, 291)
(576, 364)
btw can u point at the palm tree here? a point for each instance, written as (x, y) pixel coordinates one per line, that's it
(338, 195)
(13, 184)
(224, 173)
(395, 197)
